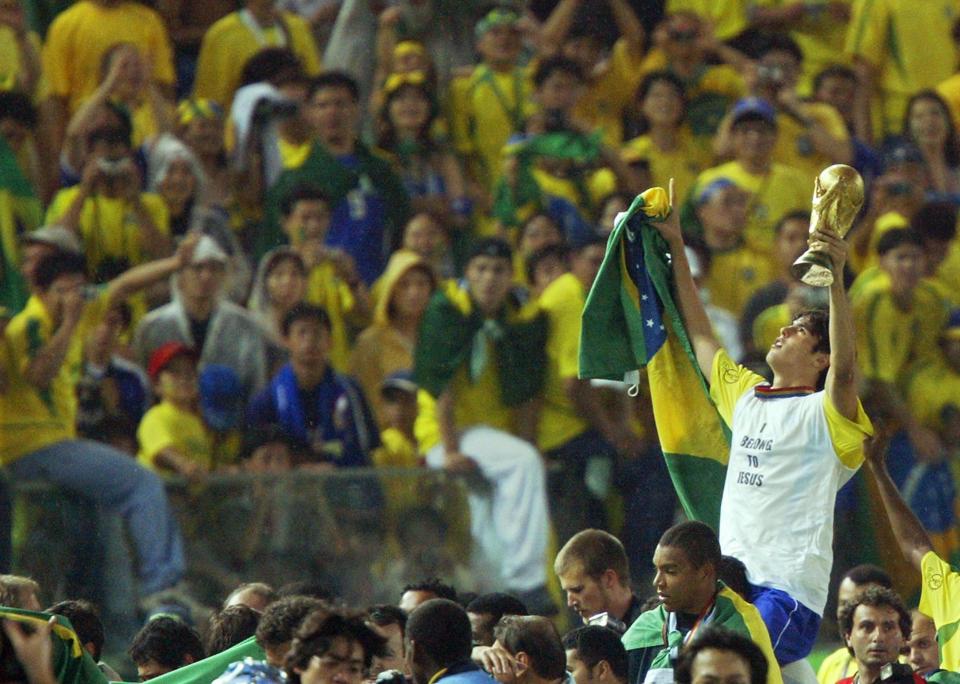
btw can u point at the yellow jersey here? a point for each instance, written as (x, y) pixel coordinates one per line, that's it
(683, 163)
(607, 95)
(794, 145)
(325, 289)
(166, 426)
(735, 275)
(940, 599)
(728, 17)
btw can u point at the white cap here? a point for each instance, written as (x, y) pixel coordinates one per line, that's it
(55, 236)
(208, 249)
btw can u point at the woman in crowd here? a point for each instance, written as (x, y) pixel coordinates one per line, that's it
(929, 126)
(280, 285)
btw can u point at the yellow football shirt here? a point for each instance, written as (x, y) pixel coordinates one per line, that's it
(909, 44)
(108, 226)
(32, 418)
(233, 40)
(684, 163)
(836, 666)
(889, 337)
(781, 190)
(729, 17)
(11, 67)
(609, 94)
(485, 109)
(325, 289)
(166, 426)
(563, 302)
(79, 37)
(735, 275)
(931, 385)
(940, 599)
(766, 326)
(794, 146)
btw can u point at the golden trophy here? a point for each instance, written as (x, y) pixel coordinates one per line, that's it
(837, 198)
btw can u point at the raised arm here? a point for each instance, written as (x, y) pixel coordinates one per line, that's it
(841, 383)
(705, 344)
(555, 28)
(140, 277)
(913, 540)
(631, 30)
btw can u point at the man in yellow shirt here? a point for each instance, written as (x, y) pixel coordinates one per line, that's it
(933, 385)
(775, 189)
(492, 103)
(610, 79)
(728, 17)
(898, 322)
(79, 38)
(172, 435)
(940, 588)
(900, 47)
(233, 40)
(480, 363)
(810, 135)
(42, 353)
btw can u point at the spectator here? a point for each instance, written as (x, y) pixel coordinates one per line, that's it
(163, 645)
(922, 59)
(38, 409)
(875, 626)
(17, 591)
(485, 612)
(389, 622)
(28, 148)
(479, 361)
(332, 647)
(280, 285)
(420, 592)
(398, 408)
(231, 626)
(387, 346)
(314, 405)
(839, 87)
(538, 231)
(533, 643)
(665, 148)
(256, 595)
(427, 237)
(719, 653)
(438, 645)
(200, 125)
(929, 126)
(79, 38)
(280, 622)
(200, 318)
(233, 40)
(85, 619)
(544, 266)
(775, 189)
(933, 385)
(924, 651)
(610, 79)
(21, 47)
(595, 654)
(726, 18)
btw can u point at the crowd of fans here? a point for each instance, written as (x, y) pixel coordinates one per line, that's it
(324, 235)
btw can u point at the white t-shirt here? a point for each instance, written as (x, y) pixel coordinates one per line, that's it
(790, 452)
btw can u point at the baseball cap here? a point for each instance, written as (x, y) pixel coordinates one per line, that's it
(952, 329)
(56, 236)
(208, 249)
(711, 189)
(753, 109)
(165, 354)
(498, 16)
(401, 381)
(221, 397)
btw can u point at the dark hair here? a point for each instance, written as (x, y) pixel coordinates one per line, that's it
(55, 265)
(302, 192)
(261, 589)
(167, 641)
(282, 617)
(733, 573)
(275, 65)
(951, 146)
(596, 551)
(935, 221)
(875, 597)
(302, 312)
(818, 323)
(538, 638)
(387, 133)
(441, 628)
(780, 42)
(555, 251)
(110, 134)
(317, 634)
(17, 106)
(335, 79)
(795, 215)
(721, 639)
(594, 643)
(490, 247)
(867, 573)
(588, 240)
(231, 626)
(385, 614)
(697, 540)
(85, 619)
(558, 63)
(834, 71)
(307, 588)
(497, 604)
(895, 238)
(435, 586)
(647, 84)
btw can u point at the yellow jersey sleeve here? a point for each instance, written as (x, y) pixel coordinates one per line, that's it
(847, 435)
(154, 435)
(867, 32)
(426, 429)
(940, 599)
(728, 382)
(879, 352)
(563, 345)
(60, 203)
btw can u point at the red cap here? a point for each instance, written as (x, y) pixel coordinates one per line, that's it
(166, 353)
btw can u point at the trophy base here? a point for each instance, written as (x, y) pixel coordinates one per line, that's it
(814, 269)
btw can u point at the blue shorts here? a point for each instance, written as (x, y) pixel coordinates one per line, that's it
(793, 627)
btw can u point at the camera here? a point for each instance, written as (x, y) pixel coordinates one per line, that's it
(268, 109)
(113, 167)
(772, 75)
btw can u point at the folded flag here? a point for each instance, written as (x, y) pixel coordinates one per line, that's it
(208, 669)
(631, 321)
(71, 662)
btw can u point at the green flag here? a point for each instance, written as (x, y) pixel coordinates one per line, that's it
(206, 670)
(71, 662)
(20, 213)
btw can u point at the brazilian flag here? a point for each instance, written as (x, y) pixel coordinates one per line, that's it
(20, 212)
(208, 669)
(631, 321)
(71, 663)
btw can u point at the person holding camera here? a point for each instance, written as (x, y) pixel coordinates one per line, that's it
(811, 135)
(119, 225)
